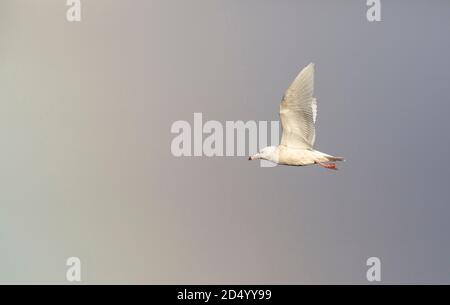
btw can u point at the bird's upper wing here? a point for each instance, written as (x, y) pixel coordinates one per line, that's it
(298, 111)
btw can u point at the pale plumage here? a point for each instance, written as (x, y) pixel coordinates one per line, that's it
(298, 113)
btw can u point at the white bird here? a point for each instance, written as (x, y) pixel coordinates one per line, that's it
(298, 112)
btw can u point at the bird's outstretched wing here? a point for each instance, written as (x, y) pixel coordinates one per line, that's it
(298, 111)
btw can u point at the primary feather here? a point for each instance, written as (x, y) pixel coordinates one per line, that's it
(298, 111)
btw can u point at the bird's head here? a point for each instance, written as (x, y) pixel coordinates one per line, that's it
(268, 153)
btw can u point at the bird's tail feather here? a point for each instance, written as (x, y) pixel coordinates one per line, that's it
(333, 159)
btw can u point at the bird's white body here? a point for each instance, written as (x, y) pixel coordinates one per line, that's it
(284, 155)
(300, 157)
(298, 112)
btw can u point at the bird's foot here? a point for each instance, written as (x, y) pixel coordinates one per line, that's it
(328, 165)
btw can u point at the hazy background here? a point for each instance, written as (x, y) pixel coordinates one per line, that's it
(85, 162)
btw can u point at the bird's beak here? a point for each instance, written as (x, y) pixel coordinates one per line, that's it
(254, 157)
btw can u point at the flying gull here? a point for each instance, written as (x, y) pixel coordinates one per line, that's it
(298, 112)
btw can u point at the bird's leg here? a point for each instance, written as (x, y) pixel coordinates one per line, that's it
(328, 165)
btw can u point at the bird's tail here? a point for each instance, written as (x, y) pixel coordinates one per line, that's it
(334, 159)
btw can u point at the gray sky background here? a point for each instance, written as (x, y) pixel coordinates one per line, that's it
(86, 168)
